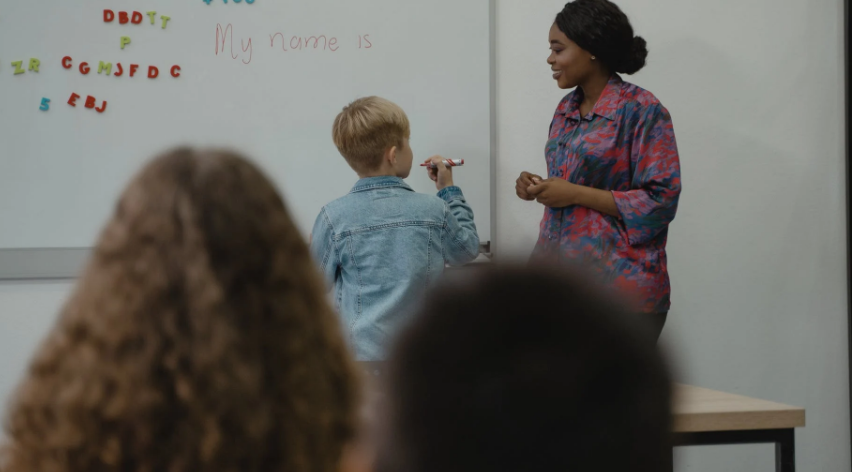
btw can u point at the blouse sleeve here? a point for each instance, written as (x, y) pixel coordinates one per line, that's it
(651, 203)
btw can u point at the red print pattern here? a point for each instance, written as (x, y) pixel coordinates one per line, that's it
(625, 145)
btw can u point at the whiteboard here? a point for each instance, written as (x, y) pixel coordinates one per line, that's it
(266, 78)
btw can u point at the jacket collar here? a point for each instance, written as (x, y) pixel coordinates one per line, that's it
(382, 181)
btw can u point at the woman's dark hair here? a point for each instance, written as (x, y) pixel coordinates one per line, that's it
(600, 27)
(525, 369)
(197, 339)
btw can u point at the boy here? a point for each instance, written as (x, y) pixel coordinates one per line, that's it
(383, 244)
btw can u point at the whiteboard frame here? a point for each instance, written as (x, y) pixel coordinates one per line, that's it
(67, 263)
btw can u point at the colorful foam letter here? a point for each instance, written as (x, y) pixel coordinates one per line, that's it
(125, 40)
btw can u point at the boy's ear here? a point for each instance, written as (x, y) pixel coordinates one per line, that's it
(390, 155)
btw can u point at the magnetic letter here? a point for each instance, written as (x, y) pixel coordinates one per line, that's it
(133, 68)
(165, 20)
(153, 72)
(84, 68)
(109, 15)
(66, 62)
(123, 18)
(137, 18)
(34, 63)
(151, 15)
(175, 71)
(102, 108)
(18, 68)
(119, 71)
(73, 100)
(90, 102)
(105, 67)
(45, 104)
(125, 40)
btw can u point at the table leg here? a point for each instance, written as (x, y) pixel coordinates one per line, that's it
(785, 451)
(784, 440)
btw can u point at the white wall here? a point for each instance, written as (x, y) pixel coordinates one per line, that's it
(27, 311)
(757, 252)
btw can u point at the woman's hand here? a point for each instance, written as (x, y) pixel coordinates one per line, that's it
(523, 184)
(554, 193)
(558, 193)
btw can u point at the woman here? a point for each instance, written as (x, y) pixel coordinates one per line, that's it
(613, 169)
(197, 339)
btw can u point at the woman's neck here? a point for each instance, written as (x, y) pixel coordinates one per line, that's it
(592, 90)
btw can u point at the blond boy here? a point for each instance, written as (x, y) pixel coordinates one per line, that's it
(382, 244)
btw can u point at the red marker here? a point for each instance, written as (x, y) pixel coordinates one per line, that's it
(447, 162)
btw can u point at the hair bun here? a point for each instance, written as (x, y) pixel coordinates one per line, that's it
(636, 56)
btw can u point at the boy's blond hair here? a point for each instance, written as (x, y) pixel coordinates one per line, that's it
(366, 128)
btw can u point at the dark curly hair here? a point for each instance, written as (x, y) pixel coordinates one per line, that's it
(600, 27)
(197, 339)
(525, 368)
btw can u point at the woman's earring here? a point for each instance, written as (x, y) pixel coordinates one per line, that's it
(593, 58)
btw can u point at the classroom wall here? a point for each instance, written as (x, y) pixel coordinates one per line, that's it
(757, 252)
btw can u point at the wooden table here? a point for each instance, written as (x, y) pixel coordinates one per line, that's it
(704, 417)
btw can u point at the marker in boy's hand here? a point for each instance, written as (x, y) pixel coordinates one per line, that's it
(448, 162)
(440, 173)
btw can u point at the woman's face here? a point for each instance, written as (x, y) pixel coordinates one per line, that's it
(570, 63)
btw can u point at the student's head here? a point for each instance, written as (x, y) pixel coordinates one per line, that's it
(525, 369)
(591, 37)
(372, 135)
(197, 339)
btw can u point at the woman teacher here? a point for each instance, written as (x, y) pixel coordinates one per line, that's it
(612, 162)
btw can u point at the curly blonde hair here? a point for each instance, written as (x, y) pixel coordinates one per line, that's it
(198, 339)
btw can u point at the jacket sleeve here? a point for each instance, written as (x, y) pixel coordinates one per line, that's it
(461, 241)
(323, 249)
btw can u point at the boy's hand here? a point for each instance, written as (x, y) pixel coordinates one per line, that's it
(523, 184)
(441, 175)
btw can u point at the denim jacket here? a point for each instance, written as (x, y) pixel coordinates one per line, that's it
(381, 246)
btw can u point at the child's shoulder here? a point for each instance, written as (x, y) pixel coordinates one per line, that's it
(415, 203)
